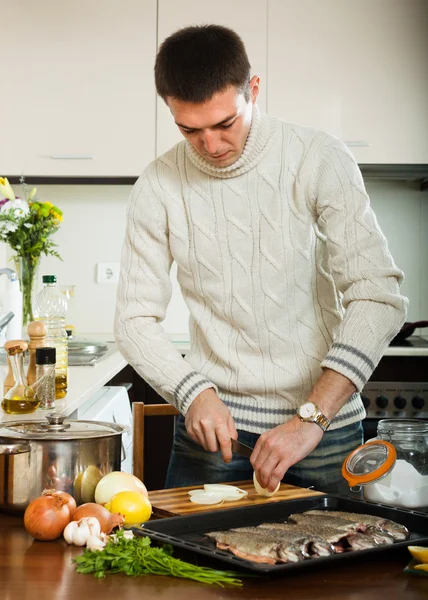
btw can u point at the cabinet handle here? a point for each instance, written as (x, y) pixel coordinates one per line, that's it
(71, 157)
(357, 144)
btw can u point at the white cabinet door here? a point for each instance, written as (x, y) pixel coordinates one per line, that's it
(247, 17)
(78, 96)
(357, 69)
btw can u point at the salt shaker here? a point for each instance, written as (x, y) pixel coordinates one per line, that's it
(44, 386)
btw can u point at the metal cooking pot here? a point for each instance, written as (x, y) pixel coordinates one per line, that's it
(55, 453)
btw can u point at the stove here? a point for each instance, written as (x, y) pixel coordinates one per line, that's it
(398, 388)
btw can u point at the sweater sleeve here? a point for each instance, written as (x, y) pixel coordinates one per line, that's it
(360, 263)
(144, 292)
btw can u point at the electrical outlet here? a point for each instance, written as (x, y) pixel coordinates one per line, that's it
(108, 273)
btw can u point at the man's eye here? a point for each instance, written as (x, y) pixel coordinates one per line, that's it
(227, 126)
(188, 131)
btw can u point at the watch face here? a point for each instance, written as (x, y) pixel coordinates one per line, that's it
(307, 410)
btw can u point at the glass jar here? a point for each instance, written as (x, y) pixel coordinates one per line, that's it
(392, 468)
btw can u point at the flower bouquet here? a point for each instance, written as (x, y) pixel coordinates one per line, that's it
(26, 224)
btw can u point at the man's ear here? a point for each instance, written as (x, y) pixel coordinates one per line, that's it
(254, 88)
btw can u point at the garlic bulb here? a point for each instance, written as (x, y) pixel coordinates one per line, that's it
(78, 532)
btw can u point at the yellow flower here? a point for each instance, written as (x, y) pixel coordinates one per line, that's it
(48, 203)
(6, 189)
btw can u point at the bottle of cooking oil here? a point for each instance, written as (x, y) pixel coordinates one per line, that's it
(20, 399)
(51, 307)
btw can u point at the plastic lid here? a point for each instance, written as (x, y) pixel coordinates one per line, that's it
(56, 427)
(369, 462)
(49, 278)
(45, 356)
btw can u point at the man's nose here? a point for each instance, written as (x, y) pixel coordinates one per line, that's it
(211, 141)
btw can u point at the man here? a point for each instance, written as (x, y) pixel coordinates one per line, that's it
(292, 292)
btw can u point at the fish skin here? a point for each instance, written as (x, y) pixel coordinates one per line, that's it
(396, 530)
(314, 544)
(290, 543)
(332, 534)
(331, 521)
(249, 544)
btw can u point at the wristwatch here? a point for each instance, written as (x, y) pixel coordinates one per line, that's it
(310, 413)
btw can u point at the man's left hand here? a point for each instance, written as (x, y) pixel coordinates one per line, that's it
(280, 448)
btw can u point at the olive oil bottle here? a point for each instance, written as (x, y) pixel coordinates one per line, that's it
(20, 399)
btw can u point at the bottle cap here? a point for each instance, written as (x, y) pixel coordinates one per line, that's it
(45, 356)
(369, 462)
(49, 278)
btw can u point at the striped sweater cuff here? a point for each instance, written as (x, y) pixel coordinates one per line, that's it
(188, 388)
(350, 362)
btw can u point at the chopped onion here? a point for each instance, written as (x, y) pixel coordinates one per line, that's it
(196, 492)
(222, 487)
(207, 498)
(263, 491)
(228, 493)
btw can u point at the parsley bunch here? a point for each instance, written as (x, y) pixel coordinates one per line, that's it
(136, 556)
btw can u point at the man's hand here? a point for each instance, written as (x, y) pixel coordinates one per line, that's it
(282, 447)
(210, 424)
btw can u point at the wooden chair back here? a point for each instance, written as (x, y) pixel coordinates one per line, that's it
(140, 411)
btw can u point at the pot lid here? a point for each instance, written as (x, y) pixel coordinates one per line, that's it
(369, 462)
(57, 427)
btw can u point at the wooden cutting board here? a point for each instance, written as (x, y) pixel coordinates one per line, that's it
(175, 501)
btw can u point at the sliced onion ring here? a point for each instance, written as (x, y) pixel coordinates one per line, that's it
(222, 487)
(213, 491)
(207, 498)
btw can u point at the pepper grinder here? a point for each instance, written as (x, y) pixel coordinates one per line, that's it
(9, 381)
(37, 334)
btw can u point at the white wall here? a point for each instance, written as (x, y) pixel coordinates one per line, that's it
(94, 226)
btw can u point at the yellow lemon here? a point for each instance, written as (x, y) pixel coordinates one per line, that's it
(134, 507)
(420, 553)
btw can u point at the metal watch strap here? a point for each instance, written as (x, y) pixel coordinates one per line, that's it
(322, 421)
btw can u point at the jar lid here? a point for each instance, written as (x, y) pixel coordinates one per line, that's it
(369, 462)
(56, 427)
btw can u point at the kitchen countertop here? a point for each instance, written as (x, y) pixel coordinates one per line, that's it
(31, 569)
(83, 382)
(182, 343)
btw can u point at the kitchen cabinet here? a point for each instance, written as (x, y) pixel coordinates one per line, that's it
(247, 17)
(355, 69)
(78, 96)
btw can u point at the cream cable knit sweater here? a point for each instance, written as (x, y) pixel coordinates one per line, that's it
(281, 263)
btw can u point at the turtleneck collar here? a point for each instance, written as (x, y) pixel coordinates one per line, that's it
(254, 149)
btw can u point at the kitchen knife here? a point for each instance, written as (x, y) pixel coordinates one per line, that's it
(241, 449)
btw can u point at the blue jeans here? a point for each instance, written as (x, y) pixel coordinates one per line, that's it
(190, 464)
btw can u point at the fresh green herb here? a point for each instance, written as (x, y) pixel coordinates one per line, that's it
(136, 556)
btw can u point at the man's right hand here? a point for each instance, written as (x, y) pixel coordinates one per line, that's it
(210, 424)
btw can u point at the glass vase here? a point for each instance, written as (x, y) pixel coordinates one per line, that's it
(27, 270)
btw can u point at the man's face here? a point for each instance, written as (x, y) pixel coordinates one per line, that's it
(217, 128)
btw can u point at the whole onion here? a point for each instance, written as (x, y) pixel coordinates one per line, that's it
(46, 517)
(70, 501)
(107, 520)
(115, 482)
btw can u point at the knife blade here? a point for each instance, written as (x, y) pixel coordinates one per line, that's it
(241, 449)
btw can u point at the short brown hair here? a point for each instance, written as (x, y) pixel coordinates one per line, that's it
(196, 62)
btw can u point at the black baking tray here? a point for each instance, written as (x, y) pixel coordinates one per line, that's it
(187, 532)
